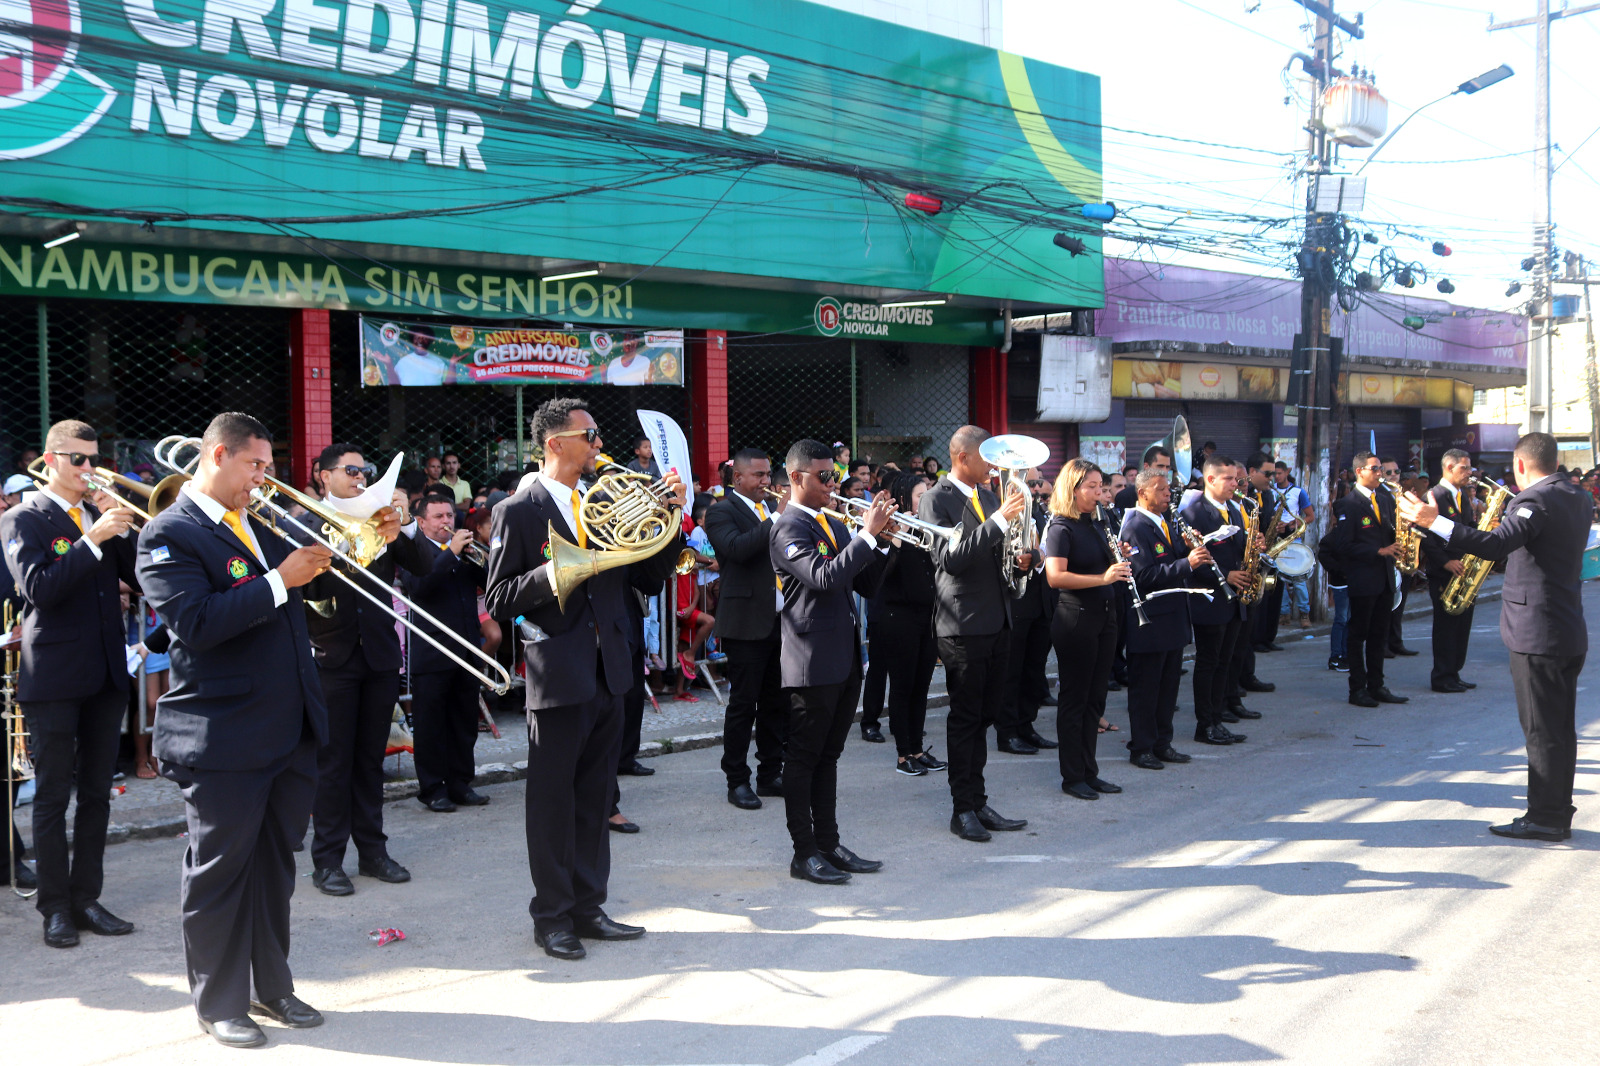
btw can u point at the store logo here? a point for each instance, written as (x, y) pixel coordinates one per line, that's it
(830, 317)
(38, 50)
(1371, 384)
(1210, 377)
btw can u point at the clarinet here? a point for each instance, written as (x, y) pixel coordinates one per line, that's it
(1194, 540)
(1118, 552)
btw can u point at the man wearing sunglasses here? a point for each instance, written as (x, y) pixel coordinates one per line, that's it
(66, 558)
(1361, 544)
(358, 660)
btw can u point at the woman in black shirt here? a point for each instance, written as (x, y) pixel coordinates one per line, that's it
(902, 630)
(1079, 562)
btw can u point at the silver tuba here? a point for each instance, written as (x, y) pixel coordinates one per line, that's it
(1015, 453)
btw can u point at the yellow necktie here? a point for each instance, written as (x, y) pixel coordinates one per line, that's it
(577, 523)
(1165, 532)
(77, 517)
(1375, 508)
(976, 506)
(235, 523)
(823, 521)
(761, 509)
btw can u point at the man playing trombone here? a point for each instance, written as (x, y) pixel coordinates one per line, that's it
(66, 558)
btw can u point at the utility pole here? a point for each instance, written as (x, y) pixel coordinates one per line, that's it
(1541, 405)
(1590, 374)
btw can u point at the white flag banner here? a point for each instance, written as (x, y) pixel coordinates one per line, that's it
(670, 446)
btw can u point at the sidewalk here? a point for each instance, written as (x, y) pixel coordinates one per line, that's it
(154, 808)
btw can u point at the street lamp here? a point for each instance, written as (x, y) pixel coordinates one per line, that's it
(1467, 88)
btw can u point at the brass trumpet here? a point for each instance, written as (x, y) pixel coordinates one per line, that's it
(105, 481)
(19, 766)
(913, 530)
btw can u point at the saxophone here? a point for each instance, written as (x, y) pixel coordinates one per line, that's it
(1463, 588)
(1261, 582)
(1407, 540)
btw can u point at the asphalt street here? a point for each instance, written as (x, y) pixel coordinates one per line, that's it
(1326, 892)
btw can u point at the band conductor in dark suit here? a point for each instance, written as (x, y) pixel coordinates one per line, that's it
(1541, 537)
(72, 683)
(1361, 542)
(740, 529)
(239, 729)
(822, 565)
(578, 670)
(1451, 632)
(972, 620)
(1219, 622)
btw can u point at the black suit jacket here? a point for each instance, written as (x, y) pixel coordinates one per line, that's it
(1158, 562)
(355, 622)
(568, 649)
(747, 604)
(1434, 549)
(72, 634)
(1228, 554)
(448, 590)
(820, 639)
(971, 598)
(1355, 538)
(244, 683)
(1541, 537)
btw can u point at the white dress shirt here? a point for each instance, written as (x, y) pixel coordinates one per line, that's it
(67, 507)
(214, 511)
(968, 491)
(757, 509)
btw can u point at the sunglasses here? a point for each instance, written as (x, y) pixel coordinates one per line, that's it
(1038, 484)
(79, 458)
(351, 470)
(827, 475)
(589, 435)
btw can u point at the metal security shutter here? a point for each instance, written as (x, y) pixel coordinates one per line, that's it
(1395, 428)
(1236, 427)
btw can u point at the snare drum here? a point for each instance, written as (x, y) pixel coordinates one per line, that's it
(1296, 560)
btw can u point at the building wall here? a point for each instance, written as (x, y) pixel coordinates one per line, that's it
(1571, 399)
(976, 21)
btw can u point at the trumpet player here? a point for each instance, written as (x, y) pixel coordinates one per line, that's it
(1219, 621)
(66, 558)
(1451, 632)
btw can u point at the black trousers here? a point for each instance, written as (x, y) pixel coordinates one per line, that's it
(572, 778)
(1266, 614)
(1215, 670)
(756, 703)
(632, 725)
(1368, 636)
(1026, 687)
(73, 740)
(908, 631)
(238, 877)
(1119, 664)
(1244, 654)
(1086, 642)
(1451, 635)
(1152, 698)
(975, 675)
(349, 800)
(1547, 700)
(819, 721)
(444, 728)
(1397, 615)
(876, 683)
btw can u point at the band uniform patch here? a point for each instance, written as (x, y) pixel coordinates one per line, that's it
(160, 555)
(822, 548)
(547, 549)
(1366, 520)
(61, 545)
(1161, 549)
(1524, 512)
(238, 568)
(13, 546)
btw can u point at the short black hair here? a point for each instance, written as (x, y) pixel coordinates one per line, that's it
(1216, 460)
(1257, 460)
(329, 457)
(745, 456)
(1387, 459)
(1130, 469)
(1538, 450)
(451, 455)
(555, 415)
(1454, 455)
(432, 498)
(233, 430)
(1359, 460)
(1280, 465)
(802, 452)
(1208, 444)
(638, 439)
(68, 430)
(1156, 449)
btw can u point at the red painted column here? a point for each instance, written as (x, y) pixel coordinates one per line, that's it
(708, 403)
(987, 404)
(310, 392)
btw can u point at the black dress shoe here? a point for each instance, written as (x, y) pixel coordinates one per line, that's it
(440, 804)
(1401, 649)
(1229, 718)
(842, 858)
(292, 1011)
(1466, 684)
(1113, 686)
(235, 1032)
(1101, 785)
(100, 921)
(332, 881)
(1522, 829)
(1239, 710)
(561, 944)
(1383, 695)
(1448, 687)
(1255, 684)
(993, 820)
(1361, 699)
(58, 930)
(1388, 653)
(1081, 789)
(872, 734)
(1017, 746)
(1146, 761)
(601, 927)
(384, 869)
(817, 870)
(472, 798)
(770, 788)
(635, 769)
(1171, 754)
(1213, 735)
(1042, 743)
(965, 824)
(623, 826)
(927, 760)
(743, 798)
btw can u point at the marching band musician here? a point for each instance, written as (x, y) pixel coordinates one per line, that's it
(1451, 632)
(358, 657)
(823, 566)
(66, 557)
(1155, 651)
(579, 668)
(1541, 537)
(1361, 545)
(1027, 689)
(239, 729)
(1255, 488)
(1219, 622)
(972, 619)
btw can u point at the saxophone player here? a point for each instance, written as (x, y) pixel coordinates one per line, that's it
(1541, 537)
(1451, 632)
(1361, 544)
